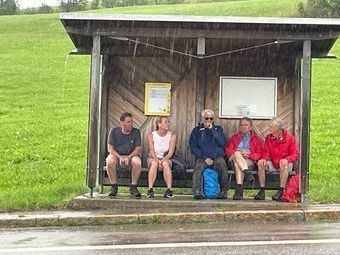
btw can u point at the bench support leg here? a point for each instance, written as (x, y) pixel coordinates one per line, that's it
(101, 189)
(91, 192)
(303, 199)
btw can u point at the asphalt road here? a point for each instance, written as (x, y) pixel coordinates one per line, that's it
(236, 238)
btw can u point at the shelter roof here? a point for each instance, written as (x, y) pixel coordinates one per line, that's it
(149, 35)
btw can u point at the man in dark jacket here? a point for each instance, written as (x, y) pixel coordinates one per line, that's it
(207, 142)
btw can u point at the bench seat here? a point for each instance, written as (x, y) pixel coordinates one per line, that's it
(183, 179)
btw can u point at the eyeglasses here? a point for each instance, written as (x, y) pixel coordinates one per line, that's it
(207, 118)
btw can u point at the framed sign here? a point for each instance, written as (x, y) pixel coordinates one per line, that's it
(157, 99)
(253, 97)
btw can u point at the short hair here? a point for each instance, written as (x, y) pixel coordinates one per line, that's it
(247, 119)
(159, 120)
(125, 115)
(278, 122)
(205, 111)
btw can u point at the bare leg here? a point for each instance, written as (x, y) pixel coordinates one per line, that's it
(111, 168)
(283, 174)
(152, 174)
(261, 172)
(239, 174)
(167, 173)
(136, 168)
(240, 161)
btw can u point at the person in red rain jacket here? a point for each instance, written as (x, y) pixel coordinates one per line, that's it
(280, 151)
(243, 151)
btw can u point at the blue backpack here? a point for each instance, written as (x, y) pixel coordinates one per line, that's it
(211, 187)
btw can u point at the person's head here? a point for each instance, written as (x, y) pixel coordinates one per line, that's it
(162, 123)
(207, 117)
(245, 125)
(275, 126)
(126, 121)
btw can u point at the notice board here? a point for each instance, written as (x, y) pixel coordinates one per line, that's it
(253, 97)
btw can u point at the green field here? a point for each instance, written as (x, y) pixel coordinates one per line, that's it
(44, 107)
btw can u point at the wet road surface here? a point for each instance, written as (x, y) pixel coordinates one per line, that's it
(222, 238)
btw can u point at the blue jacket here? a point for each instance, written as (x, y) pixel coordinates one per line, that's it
(207, 143)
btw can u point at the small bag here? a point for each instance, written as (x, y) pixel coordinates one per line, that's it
(178, 163)
(291, 192)
(211, 186)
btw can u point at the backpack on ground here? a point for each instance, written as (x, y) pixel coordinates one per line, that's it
(211, 186)
(291, 192)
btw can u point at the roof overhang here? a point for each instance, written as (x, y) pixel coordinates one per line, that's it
(137, 34)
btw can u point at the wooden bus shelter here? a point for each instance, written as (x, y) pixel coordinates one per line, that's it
(192, 53)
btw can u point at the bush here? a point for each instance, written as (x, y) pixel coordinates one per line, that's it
(320, 8)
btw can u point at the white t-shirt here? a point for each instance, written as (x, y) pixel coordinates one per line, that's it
(161, 144)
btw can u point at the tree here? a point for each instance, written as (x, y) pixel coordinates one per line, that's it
(320, 8)
(95, 4)
(72, 5)
(8, 7)
(44, 8)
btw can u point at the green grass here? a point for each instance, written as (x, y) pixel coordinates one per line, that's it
(44, 107)
(225, 8)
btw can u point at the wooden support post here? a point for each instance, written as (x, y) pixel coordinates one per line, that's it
(92, 149)
(305, 117)
(102, 120)
(200, 80)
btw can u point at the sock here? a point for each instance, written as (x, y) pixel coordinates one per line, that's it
(239, 186)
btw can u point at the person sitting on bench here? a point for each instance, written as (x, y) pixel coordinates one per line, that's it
(280, 151)
(124, 147)
(207, 142)
(243, 150)
(162, 144)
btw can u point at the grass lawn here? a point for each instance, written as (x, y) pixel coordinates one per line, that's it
(44, 107)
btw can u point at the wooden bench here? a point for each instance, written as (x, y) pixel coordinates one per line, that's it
(183, 179)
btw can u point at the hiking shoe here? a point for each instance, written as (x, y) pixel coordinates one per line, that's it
(238, 194)
(261, 195)
(198, 195)
(114, 190)
(134, 191)
(248, 176)
(168, 194)
(277, 195)
(223, 195)
(150, 193)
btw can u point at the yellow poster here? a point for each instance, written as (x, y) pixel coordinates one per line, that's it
(157, 99)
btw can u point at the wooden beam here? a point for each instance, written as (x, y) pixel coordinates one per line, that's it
(200, 81)
(122, 33)
(92, 150)
(305, 117)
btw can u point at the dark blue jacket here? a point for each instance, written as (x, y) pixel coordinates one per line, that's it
(207, 143)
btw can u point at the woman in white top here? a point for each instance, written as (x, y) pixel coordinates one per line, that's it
(162, 144)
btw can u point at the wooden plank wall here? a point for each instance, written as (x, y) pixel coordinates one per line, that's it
(126, 78)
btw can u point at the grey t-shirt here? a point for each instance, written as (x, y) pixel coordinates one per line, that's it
(122, 143)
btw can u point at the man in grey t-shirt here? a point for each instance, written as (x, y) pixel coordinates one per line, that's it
(124, 147)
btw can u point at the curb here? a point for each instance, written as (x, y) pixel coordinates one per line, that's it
(170, 218)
